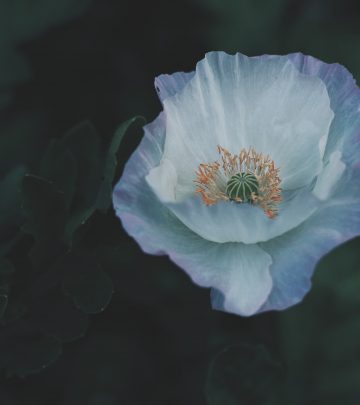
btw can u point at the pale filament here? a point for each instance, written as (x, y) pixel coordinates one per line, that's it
(211, 178)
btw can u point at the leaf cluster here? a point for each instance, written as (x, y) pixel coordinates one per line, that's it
(51, 276)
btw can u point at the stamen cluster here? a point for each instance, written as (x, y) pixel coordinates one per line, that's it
(212, 179)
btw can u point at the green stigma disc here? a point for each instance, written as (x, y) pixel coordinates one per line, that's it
(242, 185)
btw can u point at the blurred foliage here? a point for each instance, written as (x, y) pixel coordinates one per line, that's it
(243, 375)
(64, 259)
(22, 20)
(246, 25)
(320, 338)
(50, 276)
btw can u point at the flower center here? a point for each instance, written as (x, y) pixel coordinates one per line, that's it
(242, 187)
(249, 177)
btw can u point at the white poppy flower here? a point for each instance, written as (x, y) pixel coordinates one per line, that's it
(249, 176)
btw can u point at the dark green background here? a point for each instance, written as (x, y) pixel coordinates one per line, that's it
(86, 317)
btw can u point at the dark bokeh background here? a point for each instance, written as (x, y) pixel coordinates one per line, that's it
(86, 317)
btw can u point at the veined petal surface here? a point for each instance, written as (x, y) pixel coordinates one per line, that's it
(239, 102)
(168, 85)
(253, 264)
(296, 253)
(239, 271)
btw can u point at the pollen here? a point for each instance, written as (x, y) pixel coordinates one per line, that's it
(248, 177)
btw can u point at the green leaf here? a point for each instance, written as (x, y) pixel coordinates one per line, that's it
(59, 167)
(95, 174)
(243, 375)
(44, 208)
(105, 193)
(83, 143)
(91, 292)
(75, 222)
(55, 315)
(25, 351)
(45, 212)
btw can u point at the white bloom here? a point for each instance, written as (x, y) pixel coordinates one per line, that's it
(249, 176)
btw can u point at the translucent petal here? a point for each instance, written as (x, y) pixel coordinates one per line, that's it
(329, 176)
(233, 222)
(144, 218)
(296, 253)
(290, 257)
(238, 102)
(344, 101)
(239, 271)
(163, 181)
(168, 85)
